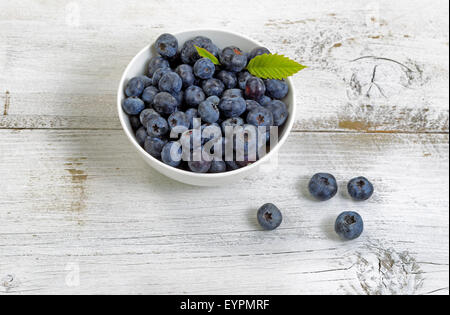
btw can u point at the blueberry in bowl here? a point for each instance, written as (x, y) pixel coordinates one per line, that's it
(169, 90)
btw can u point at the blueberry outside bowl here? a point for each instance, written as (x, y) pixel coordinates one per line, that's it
(138, 66)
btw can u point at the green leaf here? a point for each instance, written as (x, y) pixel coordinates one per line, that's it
(273, 66)
(206, 54)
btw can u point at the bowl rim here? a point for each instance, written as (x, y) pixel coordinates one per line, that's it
(131, 137)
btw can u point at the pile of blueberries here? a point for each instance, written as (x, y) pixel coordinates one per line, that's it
(323, 186)
(182, 91)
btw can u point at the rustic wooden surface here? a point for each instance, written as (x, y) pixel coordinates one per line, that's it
(81, 213)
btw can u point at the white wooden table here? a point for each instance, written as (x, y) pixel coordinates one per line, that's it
(81, 213)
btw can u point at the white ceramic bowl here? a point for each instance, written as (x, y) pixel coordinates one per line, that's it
(138, 66)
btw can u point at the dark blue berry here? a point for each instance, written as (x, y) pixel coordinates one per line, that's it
(186, 74)
(233, 93)
(211, 132)
(255, 88)
(360, 189)
(204, 68)
(243, 78)
(159, 74)
(208, 110)
(279, 111)
(167, 45)
(135, 122)
(147, 81)
(157, 127)
(178, 120)
(201, 166)
(232, 122)
(192, 113)
(218, 166)
(232, 165)
(251, 105)
(194, 96)
(135, 87)
(133, 106)
(265, 101)
(149, 94)
(323, 186)
(258, 51)
(277, 89)
(154, 146)
(165, 103)
(260, 117)
(349, 225)
(269, 217)
(146, 114)
(232, 107)
(233, 59)
(189, 54)
(172, 153)
(141, 134)
(170, 83)
(213, 87)
(179, 97)
(228, 78)
(156, 63)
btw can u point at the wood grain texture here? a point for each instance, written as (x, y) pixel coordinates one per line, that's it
(83, 198)
(60, 62)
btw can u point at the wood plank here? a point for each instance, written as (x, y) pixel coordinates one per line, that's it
(61, 62)
(84, 200)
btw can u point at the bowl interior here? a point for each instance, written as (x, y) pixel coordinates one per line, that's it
(138, 66)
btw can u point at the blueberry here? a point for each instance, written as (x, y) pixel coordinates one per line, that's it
(277, 89)
(260, 117)
(360, 189)
(323, 186)
(146, 114)
(233, 59)
(189, 53)
(246, 143)
(232, 93)
(202, 166)
(192, 113)
(279, 111)
(349, 225)
(135, 122)
(154, 146)
(208, 110)
(159, 74)
(243, 78)
(147, 81)
(204, 69)
(165, 103)
(157, 127)
(141, 134)
(232, 107)
(170, 83)
(265, 101)
(232, 122)
(228, 78)
(179, 96)
(232, 165)
(167, 45)
(172, 153)
(213, 87)
(135, 87)
(156, 63)
(149, 94)
(269, 217)
(251, 105)
(191, 139)
(194, 96)
(258, 51)
(218, 166)
(178, 119)
(133, 106)
(255, 88)
(211, 132)
(186, 74)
